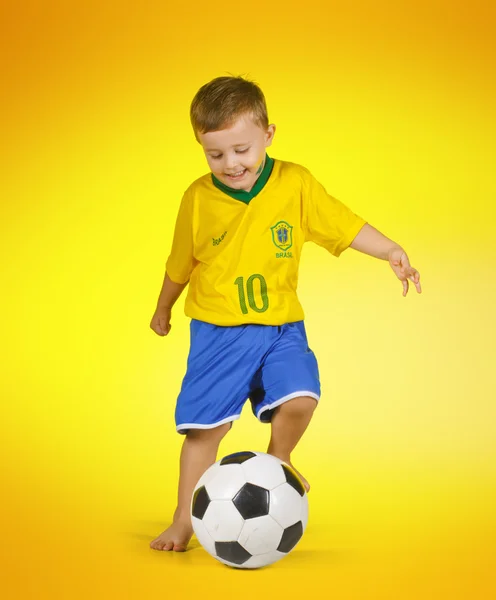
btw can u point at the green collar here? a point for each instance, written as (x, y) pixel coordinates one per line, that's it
(256, 189)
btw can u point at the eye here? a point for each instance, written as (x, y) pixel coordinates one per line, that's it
(242, 151)
(216, 157)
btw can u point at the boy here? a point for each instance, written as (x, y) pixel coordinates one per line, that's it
(237, 241)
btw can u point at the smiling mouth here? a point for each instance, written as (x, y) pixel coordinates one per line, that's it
(237, 175)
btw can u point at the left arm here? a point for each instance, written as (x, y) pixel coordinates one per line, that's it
(372, 242)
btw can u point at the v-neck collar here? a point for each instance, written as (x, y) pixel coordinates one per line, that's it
(243, 195)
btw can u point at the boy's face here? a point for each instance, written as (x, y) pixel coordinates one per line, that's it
(236, 155)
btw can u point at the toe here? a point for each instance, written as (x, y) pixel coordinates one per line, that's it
(179, 548)
(168, 546)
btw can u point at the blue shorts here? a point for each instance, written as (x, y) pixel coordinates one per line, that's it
(227, 365)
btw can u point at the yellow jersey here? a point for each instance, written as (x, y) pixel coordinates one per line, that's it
(240, 251)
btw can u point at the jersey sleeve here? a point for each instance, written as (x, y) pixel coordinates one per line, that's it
(327, 221)
(181, 261)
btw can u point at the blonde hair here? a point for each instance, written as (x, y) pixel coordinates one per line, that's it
(218, 103)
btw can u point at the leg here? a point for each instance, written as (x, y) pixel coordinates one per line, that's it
(289, 423)
(199, 452)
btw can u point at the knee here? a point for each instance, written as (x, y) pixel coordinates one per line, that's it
(299, 408)
(213, 435)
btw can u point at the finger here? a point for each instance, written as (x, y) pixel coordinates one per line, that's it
(411, 274)
(415, 278)
(405, 264)
(405, 287)
(162, 323)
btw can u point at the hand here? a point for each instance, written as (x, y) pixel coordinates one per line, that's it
(160, 322)
(401, 266)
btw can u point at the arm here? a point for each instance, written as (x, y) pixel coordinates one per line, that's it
(170, 293)
(180, 263)
(372, 242)
(168, 296)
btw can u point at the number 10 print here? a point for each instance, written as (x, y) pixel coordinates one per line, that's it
(250, 292)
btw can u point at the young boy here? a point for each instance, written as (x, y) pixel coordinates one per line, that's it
(238, 238)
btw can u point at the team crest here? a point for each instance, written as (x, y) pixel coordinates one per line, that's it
(282, 235)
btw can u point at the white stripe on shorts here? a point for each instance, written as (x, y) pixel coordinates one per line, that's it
(285, 399)
(208, 426)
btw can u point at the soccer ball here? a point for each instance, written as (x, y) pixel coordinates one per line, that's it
(249, 510)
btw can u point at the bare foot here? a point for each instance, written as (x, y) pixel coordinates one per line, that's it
(175, 538)
(303, 480)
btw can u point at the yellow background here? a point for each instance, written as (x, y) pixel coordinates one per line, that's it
(391, 106)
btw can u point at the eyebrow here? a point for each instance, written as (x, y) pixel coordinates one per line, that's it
(235, 146)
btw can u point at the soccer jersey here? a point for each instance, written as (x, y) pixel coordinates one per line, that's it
(240, 251)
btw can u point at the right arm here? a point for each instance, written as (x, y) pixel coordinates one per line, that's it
(169, 294)
(180, 264)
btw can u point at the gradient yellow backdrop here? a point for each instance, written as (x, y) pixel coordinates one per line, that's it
(391, 106)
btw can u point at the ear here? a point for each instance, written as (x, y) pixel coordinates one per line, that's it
(269, 135)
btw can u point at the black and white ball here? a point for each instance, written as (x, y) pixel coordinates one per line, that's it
(249, 510)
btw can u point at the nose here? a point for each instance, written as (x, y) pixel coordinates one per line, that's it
(231, 161)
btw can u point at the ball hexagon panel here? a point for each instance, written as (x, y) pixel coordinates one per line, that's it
(209, 474)
(291, 537)
(286, 505)
(231, 552)
(261, 535)
(237, 458)
(230, 564)
(252, 501)
(203, 536)
(262, 471)
(200, 502)
(223, 521)
(226, 483)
